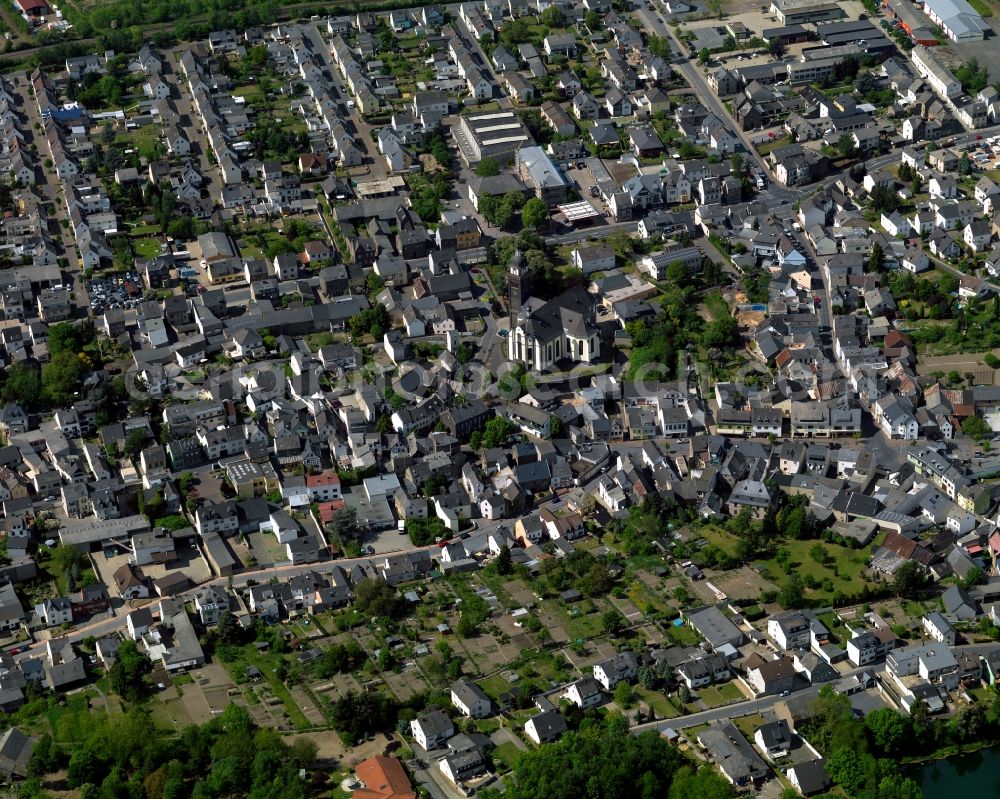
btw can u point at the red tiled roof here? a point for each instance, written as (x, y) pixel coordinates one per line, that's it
(384, 778)
(324, 479)
(328, 509)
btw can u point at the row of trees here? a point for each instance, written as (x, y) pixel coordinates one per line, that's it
(601, 760)
(127, 756)
(59, 380)
(862, 755)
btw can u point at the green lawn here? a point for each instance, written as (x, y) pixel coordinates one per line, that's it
(718, 695)
(146, 247)
(766, 147)
(984, 7)
(835, 626)
(748, 724)
(843, 568)
(658, 702)
(251, 92)
(582, 625)
(717, 537)
(682, 636)
(505, 756)
(144, 230)
(145, 139)
(487, 726)
(716, 306)
(494, 685)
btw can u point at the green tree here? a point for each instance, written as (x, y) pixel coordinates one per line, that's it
(720, 334)
(45, 758)
(551, 17)
(846, 146)
(896, 786)
(535, 213)
(65, 337)
(850, 769)
(964, 164)
(705, 783)
(504, 562)
(601, 762)
(134, 442)
(883, 198)
(355, 716)
(704, 55)
(128, 673)
(972, 77)
(908, 579)
(344, 526)
(474, 613)
(976, 427)
(613, 622)
(889, 730)
(792, 594)
(624, 695)
(23, 385)
(677, 273)
(61, 377)
(496, 432)
(659, 46)
(876, 259)
(228, 631)
(374, 598)
(973, 577)
(488, 168)
(84, 766)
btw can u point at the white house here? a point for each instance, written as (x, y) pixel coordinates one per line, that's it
(547, 726)
(939, 628)
(915, 260)
(469, 699)
(623, 667)
(584, 693)
(432, 729)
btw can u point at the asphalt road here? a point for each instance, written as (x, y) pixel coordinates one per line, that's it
(109, 624)
(765, 703)
(591, 232)
(697, 81)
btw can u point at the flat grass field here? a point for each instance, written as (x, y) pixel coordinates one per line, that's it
(718, 695)
(844, 569)
(658, 702)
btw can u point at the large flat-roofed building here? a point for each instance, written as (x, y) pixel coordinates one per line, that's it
(713, 625)
(917, 25)
(944, 84)
(957, 19)
(495, 134)
(796, 12)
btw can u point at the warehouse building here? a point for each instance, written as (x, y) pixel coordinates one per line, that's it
(797, 12)
(495, 134)
(958, 20)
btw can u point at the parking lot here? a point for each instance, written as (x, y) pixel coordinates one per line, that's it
(117, 291)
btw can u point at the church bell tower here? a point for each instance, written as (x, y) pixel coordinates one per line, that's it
(518, 286)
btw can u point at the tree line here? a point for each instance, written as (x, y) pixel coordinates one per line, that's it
(863, 755)
(127, 757)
